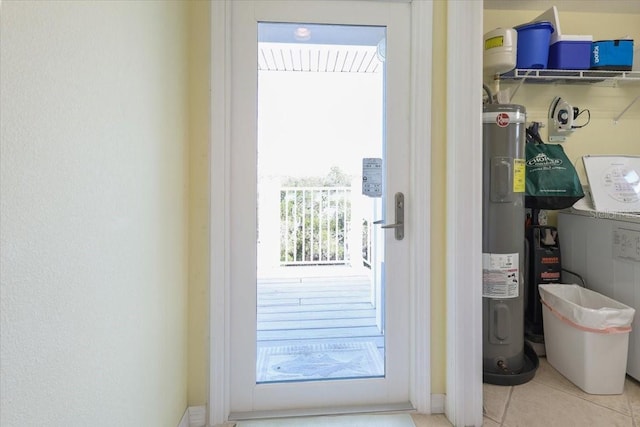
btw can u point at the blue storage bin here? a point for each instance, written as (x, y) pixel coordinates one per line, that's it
(533, 44)
(570, 53)
(612, 55)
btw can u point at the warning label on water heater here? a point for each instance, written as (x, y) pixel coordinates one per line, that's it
(519, 175)
(500, 275)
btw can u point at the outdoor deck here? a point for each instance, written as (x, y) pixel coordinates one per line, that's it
(302, 307)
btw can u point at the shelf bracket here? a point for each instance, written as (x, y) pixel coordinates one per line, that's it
(519, 85)
(615, 120)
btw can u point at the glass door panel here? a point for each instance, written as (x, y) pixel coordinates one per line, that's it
(319, 288)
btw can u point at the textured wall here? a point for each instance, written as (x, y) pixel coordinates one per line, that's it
(93, 127)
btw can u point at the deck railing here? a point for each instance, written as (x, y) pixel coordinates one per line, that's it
(367, 223)
(314, 225)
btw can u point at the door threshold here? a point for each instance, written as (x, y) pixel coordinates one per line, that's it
(342, 410)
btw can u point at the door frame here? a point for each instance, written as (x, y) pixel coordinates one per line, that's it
(220, 255)
(463, 403)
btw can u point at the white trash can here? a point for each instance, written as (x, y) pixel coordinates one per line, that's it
(586, 336)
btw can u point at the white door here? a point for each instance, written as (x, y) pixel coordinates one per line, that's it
(390, 275)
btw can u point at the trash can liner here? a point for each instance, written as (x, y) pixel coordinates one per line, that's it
(587, 309)
(609, 330)
(595, 362)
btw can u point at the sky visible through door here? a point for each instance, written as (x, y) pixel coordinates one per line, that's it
(320, 293)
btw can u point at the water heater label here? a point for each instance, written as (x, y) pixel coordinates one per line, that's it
(500, 275)
(519, 176)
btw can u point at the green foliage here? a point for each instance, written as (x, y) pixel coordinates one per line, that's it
(334, 178)
(314, 223)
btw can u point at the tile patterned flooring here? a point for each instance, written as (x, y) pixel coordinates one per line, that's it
(550, 400)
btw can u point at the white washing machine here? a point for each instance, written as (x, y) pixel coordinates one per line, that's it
(604, 248)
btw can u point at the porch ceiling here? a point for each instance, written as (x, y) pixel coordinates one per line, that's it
(318, 58)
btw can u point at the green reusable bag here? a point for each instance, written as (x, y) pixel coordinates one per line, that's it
(551, 180)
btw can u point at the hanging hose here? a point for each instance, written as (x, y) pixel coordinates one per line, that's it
(488, 91)
(573, 273)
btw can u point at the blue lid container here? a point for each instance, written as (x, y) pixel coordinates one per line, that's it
(571, 53)
(533, 44)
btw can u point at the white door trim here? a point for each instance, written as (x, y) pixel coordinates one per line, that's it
(420, 388)
(220, 211)
(420, 207)
(463, 405)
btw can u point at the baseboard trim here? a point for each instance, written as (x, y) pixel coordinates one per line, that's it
(197, 416)
(184, 421)
(194, 416)
(437, 403)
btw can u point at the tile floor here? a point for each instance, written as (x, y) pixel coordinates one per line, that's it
(550, 400)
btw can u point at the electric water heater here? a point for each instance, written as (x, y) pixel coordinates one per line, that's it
(503, 215)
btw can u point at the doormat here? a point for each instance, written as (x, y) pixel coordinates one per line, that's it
(319, 362)
(395, 420)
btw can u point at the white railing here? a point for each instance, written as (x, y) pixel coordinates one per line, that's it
(315, 223)
(314, 226)
(367, 231)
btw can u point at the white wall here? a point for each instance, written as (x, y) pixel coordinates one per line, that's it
(93, 204)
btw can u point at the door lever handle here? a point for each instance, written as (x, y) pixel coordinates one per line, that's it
(392, 225)
(398, 226)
